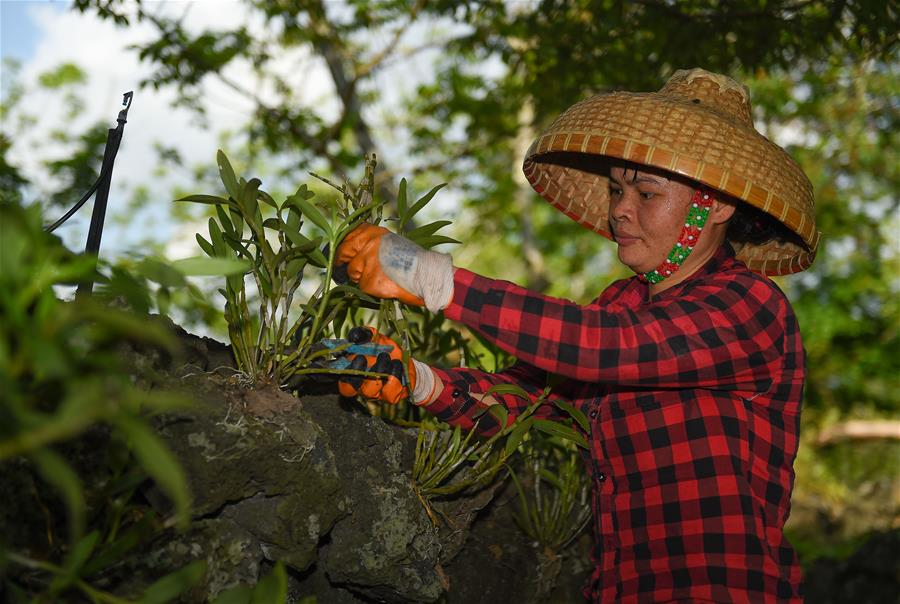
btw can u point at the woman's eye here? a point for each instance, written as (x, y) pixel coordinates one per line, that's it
(615, 192)
(647, 195)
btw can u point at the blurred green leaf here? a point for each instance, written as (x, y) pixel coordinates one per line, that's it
(56, 470)
(271, 589)
(133, 536)
(160, 272)
(159, 462)
(75, 560)
(200, 265)
(174, 584)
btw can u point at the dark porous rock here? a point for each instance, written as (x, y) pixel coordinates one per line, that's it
(871, 575)
(314, 482)
(232, 556)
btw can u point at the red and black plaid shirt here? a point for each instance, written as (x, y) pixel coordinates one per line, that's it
(694, 401)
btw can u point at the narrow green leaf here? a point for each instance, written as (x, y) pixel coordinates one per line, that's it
(295, 267)
(508, 389)
(226, 173)
(310, 211)
(159, 462)
(427, 229)
(556, 429)
(56, 470)
(207, 199)
(267, 199)
(575, 413)
(433, 240)
(205, 245)
(301, 242)
(225, 221)
(317, 258)
(174, 584)
(401, 203)
(516, 436)
(126, 541)
(215, 236)
(294, 222)
(363, 210)
(304, 192)
(551, 478)
(237, 220)
(200, 266)
(499, 413)
(423, 201)
(243, 252)
(250, 193)
(75, 560)
(272, 223)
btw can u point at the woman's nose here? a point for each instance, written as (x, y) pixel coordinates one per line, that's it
(621, 207)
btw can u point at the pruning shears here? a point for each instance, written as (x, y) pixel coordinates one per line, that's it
(341, 348)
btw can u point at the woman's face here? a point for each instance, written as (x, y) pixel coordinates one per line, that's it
(646, 213)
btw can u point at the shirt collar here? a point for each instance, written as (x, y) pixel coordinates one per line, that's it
(722, 259)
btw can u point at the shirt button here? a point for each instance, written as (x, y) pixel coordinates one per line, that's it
(593, 414)
(601, 477)
(456, 393)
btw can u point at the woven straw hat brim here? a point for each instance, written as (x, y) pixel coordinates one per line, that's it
(685, 137)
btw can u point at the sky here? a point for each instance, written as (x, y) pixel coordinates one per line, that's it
(41, 35)
(18, 31)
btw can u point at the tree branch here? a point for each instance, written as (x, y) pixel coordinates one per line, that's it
(329, 47)
(365, 70)
(860, 430)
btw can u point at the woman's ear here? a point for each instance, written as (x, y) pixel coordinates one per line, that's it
(722, 210)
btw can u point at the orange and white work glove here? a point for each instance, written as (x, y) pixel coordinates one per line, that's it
(386, 265)
(392, 388)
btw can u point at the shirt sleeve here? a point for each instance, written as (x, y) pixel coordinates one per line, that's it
(723, 333)
(461, 398)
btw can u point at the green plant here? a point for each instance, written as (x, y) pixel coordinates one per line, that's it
(277, 343)
(62, 379)
(446, 462)
(555, 509)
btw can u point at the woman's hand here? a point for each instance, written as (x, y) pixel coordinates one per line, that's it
(386, 265)
(391, 388)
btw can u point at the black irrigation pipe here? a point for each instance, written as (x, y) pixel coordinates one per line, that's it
(101, 187)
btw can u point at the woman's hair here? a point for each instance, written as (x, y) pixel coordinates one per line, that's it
(751, 225)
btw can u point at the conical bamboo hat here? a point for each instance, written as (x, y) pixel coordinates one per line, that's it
(698, 125)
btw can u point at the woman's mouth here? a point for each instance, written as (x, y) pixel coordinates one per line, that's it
(625, 239)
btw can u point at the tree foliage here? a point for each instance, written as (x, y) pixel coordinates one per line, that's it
(823, 77)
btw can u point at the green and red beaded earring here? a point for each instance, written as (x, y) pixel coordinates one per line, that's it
(698, 213)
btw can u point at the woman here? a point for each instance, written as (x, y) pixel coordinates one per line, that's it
(691, 372)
